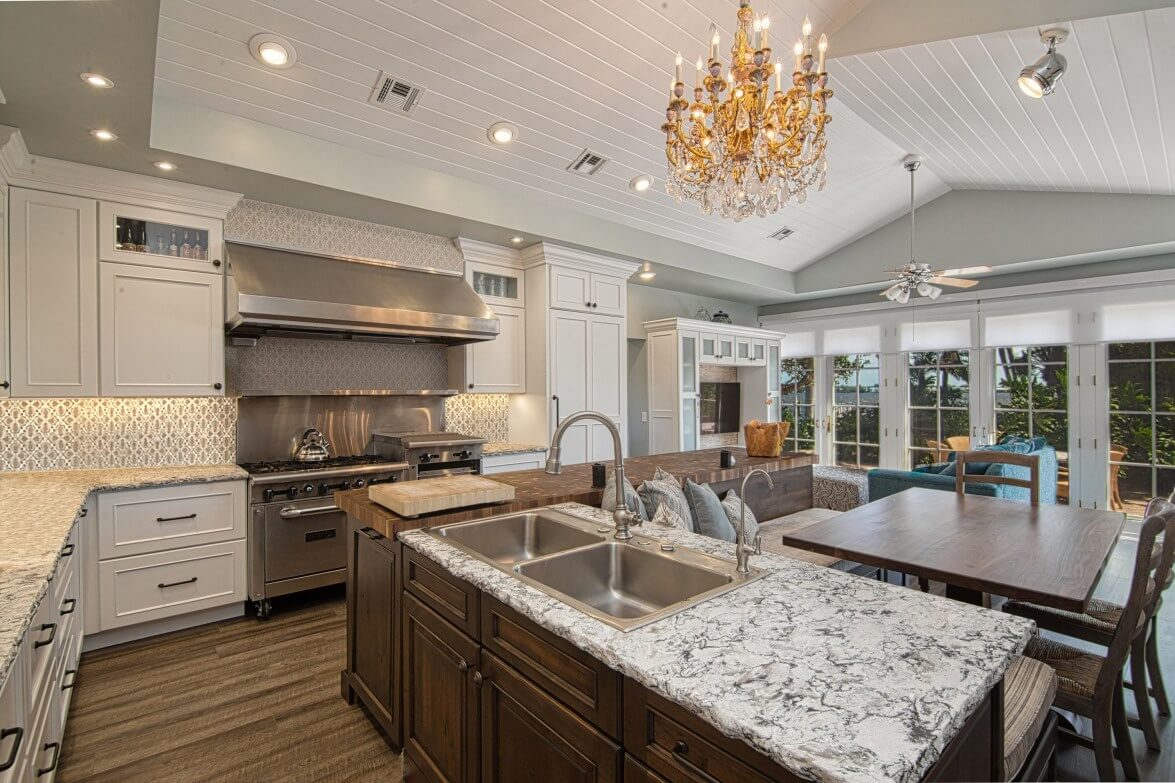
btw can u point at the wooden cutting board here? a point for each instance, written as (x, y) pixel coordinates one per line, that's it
(413, 498)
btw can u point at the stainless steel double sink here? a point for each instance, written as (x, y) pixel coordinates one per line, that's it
(625, 584)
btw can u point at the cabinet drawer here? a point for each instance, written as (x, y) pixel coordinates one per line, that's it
(139, 521)
(452, 598)
(681, 746)
(584, 684)
(15, 722)
(507, 463)
(67, 575)
(40, 643)
(150, 587)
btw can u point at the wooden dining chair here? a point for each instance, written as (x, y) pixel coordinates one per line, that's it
(1117, 454)
(1090, 684)
(1030, 461)
(1097, 625)
(959, 442)
(941, 450)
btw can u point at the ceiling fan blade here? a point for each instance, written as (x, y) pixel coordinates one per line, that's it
(967, 270)
(953, 282)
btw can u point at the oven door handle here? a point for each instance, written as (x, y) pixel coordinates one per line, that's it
(292, 512)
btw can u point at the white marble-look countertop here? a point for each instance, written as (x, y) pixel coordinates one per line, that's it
(498, 448)
(836, 677)
(38, 509)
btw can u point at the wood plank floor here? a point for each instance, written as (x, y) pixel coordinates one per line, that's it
(241, 700)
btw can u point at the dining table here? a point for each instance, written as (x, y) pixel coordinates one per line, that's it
(1049, 554)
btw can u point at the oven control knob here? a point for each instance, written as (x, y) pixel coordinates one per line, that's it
(292, 492)
(424, 458)
(308, 489)
(358, 483)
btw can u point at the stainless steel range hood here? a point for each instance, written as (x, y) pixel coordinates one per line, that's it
(272, 291)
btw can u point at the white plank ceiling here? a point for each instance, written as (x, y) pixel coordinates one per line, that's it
(569, 73)
(1109, 127)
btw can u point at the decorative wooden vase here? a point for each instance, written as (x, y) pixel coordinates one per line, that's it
(765, 439)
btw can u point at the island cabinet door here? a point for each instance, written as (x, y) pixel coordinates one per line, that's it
(374, 619)
(441, 713)
(528, 735)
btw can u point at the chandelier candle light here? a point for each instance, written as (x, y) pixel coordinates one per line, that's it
(750, 151)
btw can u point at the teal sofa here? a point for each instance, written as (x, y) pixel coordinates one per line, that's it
(884, 481)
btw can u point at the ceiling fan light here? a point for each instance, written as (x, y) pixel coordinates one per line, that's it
(891, 293)
(903, 296)
(933, 293)
(924, 289)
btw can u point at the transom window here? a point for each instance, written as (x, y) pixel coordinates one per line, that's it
(1142, 423)
(939, 407)
(856, 430)
(797, 378)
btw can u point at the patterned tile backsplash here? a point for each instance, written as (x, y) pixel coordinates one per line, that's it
(482, 415)
(261, 223)
(291, 364)
(70, 434)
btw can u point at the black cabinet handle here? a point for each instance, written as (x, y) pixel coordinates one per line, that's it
(18, 733)
(680, 747)
(462, 665)
(175, 519)
(73, 675)
(83, 512)
(52, 629)
(218, 386)
(216, 262)
(371, 533)
(67, 550)
(56, 746)
(177, 584)
(3, 384)
(73, 602)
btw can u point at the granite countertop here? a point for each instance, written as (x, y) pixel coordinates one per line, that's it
(38, 510)
(535, 488)
(835, 677)
(499, 448)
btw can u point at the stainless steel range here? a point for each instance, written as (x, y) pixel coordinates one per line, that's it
(298, 536)
(432, 454)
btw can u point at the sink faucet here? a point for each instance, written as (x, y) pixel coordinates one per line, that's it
(621, 516)
(743, 549)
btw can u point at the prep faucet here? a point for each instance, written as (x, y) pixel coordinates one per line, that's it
(743, 549)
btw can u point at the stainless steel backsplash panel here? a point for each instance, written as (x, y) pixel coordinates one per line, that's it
(271, 427)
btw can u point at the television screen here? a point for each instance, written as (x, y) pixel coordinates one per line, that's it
(720, 408)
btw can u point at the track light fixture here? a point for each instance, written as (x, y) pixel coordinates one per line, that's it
(1040, 78)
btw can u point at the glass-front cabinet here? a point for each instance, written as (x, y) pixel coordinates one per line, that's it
(497, 285)
(688, 348)
(155, 237)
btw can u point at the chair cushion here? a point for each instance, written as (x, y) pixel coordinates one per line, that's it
(732, 504)
(709, 515)
(631, 498)
(1077, 670)
(1029, 687)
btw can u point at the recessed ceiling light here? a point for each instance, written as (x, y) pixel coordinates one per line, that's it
(103, 135)
(165, 165)
(502, 133)
(641, 183)
(273, 50)
(646, 272)
(516, 240)
(96, 80)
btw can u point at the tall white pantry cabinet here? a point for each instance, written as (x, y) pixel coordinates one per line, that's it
(576, 349)
(96, 311)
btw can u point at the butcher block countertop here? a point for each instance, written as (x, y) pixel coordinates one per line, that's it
(535, 488)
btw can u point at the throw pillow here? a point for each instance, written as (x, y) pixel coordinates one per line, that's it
(732, 504)
(654, 494)
(631, 498)
(709, 516)
(666, 518)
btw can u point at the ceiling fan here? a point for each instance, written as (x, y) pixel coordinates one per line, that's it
(917, 276)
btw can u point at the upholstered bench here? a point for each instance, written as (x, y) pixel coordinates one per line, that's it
(773, 531)
(839, 489)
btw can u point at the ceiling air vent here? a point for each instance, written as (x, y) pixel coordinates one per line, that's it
(782, 233)
(587, 163)
(395, 94)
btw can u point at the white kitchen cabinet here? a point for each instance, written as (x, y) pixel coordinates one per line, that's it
(15, 720)
(570, 374)
(587, 373)
(725, 349)
(495, 366)
(609, 294)
(575, 289)
(498, 285)
(162, 332)
(5, 379)
(508, 463)
(54, 294)
(159, 238)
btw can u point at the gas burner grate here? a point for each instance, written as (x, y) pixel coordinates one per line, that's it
(292, 466)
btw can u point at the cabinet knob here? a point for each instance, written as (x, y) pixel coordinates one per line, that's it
(462, 665)
(216, 262)
(680, 747)
(478, 679)
(218, 386)
(471, 385)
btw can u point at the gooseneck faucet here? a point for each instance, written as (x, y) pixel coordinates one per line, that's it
(621, 515)
(743, 549)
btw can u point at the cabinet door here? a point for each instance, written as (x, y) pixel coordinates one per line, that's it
(579, 443)
(606, 357)
(601, 448)
(15, 728)
(570, 289)
(155, 237)
(499, 365)
(5, 378)
(441, 712)
(499, 286)
(571, 335)
(525, 731)
(725, 349)
(608, 295)
(162, 332)
(708, 346)
(759, 352)
(54, 297)
(373, 592)
(742, 350)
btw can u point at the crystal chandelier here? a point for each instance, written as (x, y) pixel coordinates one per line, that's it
(750, 151)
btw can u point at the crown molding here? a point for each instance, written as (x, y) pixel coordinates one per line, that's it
(21, 169)
(694, 325)
(547, 253)
(486, 253)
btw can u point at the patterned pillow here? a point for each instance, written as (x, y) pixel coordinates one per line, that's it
(631, 498)
(666, 518)
(656, 492)
(732, 504)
